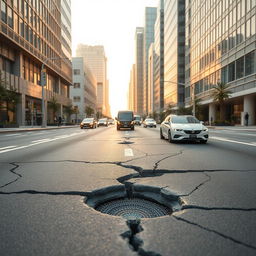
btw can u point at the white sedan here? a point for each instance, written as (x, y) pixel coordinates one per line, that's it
(149, 122)
(178, 128)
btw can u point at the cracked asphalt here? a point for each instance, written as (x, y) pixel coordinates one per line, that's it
(44, 185)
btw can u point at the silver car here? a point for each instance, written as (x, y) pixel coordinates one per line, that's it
(149, 122)
(183, 127)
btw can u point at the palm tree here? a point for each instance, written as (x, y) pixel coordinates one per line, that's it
(54, 106)
(221, 93)
(89, 111)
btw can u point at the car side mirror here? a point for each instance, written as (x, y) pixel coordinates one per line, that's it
(166, 122)
(201, 122)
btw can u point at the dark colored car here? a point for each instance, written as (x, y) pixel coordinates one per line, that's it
(103, 122)
(88, 123)
(125, 119)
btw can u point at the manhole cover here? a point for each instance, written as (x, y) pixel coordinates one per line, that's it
(133, 208)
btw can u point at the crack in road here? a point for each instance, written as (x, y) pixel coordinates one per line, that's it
(215, 232)
(134, 241)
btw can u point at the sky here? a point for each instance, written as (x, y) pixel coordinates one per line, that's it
(111, 23)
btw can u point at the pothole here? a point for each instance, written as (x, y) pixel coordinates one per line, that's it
(132, 201)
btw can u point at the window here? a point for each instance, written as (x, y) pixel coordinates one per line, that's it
(10, 17)
(76, 98)
(76, 85)
(3, 11)
(248, 28)
(231, 72)
(240, 68)
(250, 63)
(76, 71)
(224, 74)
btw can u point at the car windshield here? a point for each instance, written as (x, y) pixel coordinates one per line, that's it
(102, 120)
(184, 120)
(125, 116)
(88, 120)
(137, 117)
(150, 120)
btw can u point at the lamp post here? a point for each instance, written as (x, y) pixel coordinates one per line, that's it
(43, 83)
(192, 94)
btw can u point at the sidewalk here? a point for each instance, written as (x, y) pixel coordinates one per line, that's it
(35, 128)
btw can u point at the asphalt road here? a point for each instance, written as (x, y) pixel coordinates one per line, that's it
(45, 177)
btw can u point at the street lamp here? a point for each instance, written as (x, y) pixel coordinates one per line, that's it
(193, 95)
(43, 83)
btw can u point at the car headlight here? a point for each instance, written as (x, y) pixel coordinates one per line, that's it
(178, 130)
(91, 123)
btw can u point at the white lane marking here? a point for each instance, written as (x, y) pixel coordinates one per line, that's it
(38, 142)
(234, 141)
(7, 147)
(128, 152)
(14, 134)
(234, 133)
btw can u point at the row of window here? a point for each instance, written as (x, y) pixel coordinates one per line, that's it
(243, 66)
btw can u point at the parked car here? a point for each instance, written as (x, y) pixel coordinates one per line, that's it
(137, 120)
(183, 127)
(125, 119)
(111, 121)
(88, 123)
(149, 122)
(103, 122)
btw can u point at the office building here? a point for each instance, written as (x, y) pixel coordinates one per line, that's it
(131, 92)
(149, 24)
(220, 47)
(158, 100)
(174, 53)
(83, 91)
(139, 53)
(151, 79)
(95, 59)
(30, 35)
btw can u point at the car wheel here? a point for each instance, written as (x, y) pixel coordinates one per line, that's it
(145, 126)
(117, 128)
(170, 136)
(155, 126)
(132, 128)
(81, 127)
(161, 134)
(203, 141)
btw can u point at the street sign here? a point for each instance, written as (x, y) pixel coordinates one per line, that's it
(43, 77)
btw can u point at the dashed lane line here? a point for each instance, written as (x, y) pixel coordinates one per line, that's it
(128, 152)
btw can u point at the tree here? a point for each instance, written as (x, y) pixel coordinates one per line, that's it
(69, 110)
(54, 106)
(89, 111)
(220, 93)
(98, 115)
(169, 110)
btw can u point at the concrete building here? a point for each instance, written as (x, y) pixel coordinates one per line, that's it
(138, 91)
(83, 91)
(149, 24)
(66, 28)
(174, 53)
(95, 59)
(131, 92)
(30, 35)
(158, 105)
(220, 47)
(151, 78)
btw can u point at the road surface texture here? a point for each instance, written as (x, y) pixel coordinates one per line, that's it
(47, 176)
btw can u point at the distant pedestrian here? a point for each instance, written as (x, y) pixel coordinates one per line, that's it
(246, 117)
(59, 121)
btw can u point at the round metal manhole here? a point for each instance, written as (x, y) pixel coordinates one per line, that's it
(133, 208)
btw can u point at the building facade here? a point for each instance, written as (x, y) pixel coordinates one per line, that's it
(220, 47)
(138, 91)
(149, 24)
(151, 79)
(174, 53)
(83, 91)
(95, 59)
(158, 105)
(131, 92)
(30, 35)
